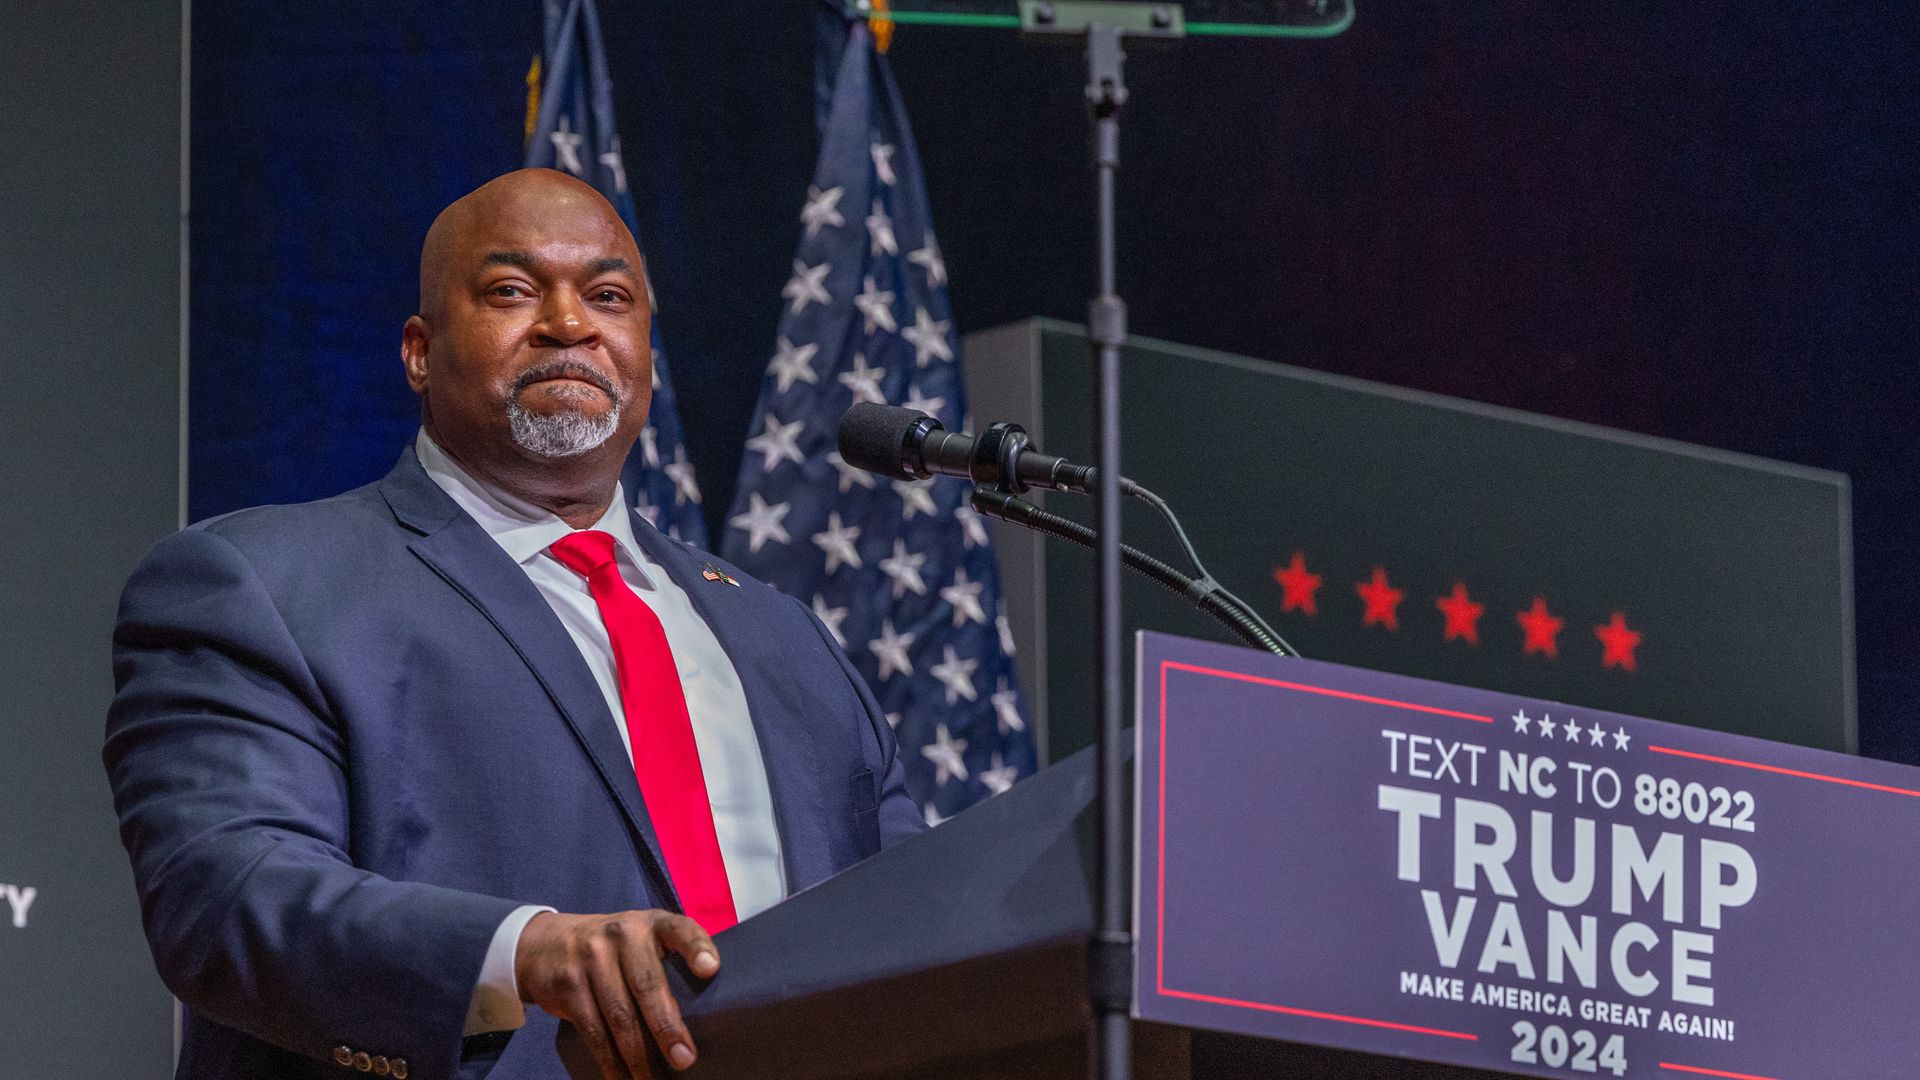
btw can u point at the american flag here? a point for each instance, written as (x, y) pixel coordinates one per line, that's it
(902, 573)
(570, 128)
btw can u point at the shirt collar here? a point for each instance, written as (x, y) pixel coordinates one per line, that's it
(525, 531)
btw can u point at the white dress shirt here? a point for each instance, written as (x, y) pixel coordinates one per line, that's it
(730, 761)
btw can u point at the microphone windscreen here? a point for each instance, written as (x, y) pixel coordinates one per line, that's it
(874, 437)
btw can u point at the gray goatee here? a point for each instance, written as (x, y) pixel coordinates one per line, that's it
(566, 434)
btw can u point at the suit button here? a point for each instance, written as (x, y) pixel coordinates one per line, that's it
(363, 1061)
(343, 1055)
(399, 1069)
(381, 1066)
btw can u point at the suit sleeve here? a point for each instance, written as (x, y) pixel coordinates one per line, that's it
(900, 816)
(229, 775)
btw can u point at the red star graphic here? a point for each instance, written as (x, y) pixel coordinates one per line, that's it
(1618, 643)
(1463, 615)
(1297, 585)
(1382, 600)
(1542, 629)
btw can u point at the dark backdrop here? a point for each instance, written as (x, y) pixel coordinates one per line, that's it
(1686, 220)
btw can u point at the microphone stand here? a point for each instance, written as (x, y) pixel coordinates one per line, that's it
(1103, 26)
(1110, 951)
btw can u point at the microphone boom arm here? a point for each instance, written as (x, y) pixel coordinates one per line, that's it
(1203, 593)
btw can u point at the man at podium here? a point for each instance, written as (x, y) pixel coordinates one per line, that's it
(391, 764)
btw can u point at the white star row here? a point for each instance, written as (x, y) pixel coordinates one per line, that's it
(1570, 729)
(954, 671)
(764, 522)
(963, 595)
(949, 763)
(822, 210)
(956, 675)
(808, 285)
(793, 363)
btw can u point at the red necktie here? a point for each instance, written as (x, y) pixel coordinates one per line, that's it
(665, 760)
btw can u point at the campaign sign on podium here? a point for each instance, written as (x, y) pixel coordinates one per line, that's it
(1342, 857)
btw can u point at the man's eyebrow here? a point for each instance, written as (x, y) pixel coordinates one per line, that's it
(524, 261)
(509, 258)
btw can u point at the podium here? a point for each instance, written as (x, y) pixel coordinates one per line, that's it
(961, 953)
(1332, 857)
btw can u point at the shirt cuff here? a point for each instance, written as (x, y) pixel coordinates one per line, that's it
(496, 999)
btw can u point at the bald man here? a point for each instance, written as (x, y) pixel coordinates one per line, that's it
(395, 765)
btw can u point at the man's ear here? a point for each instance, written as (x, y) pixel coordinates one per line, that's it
(413, 351)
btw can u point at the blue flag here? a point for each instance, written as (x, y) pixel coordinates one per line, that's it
(573, 131)
(902, 573)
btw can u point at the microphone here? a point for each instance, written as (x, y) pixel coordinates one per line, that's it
(909, 445)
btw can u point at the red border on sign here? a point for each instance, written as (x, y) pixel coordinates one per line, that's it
(1264, 1007)
(1712, 1072)
(1321, 690)
(1782, 771)
(1160, 865)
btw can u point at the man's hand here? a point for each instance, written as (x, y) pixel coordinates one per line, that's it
(603, 974)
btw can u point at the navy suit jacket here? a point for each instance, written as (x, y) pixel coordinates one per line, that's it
(350, 737)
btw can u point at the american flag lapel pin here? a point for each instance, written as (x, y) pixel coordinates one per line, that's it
(714, 573)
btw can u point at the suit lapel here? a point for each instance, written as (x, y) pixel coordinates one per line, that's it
(803, 806)
(460, 551)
